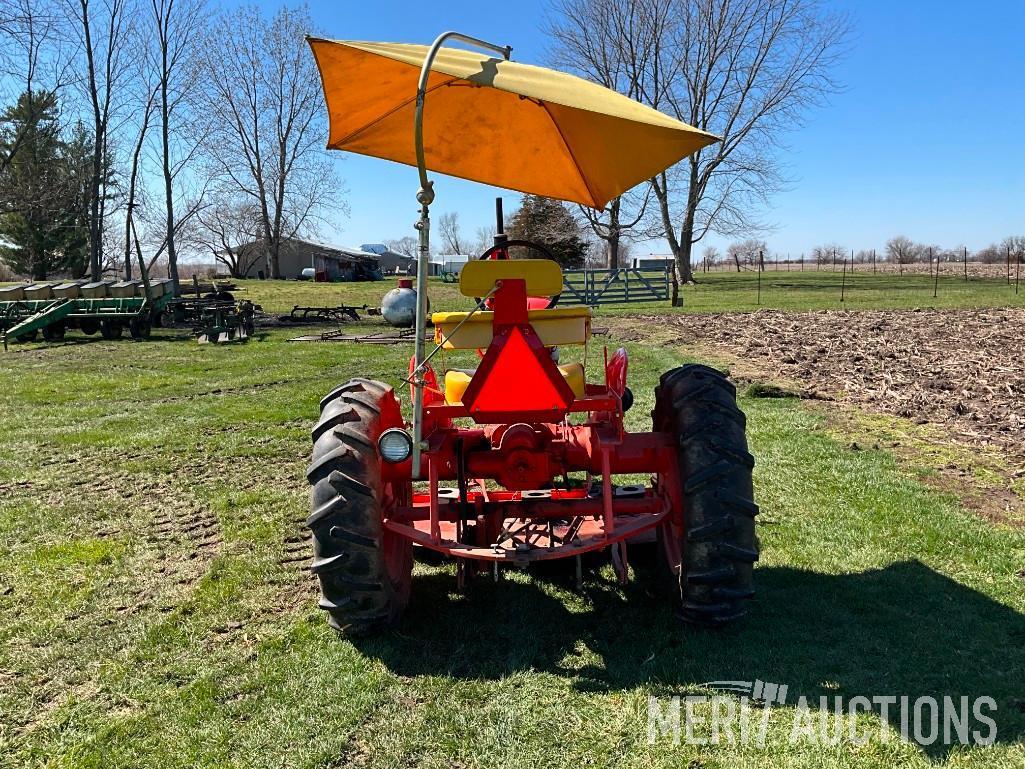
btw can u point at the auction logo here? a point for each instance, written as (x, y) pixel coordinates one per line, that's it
(739, 713)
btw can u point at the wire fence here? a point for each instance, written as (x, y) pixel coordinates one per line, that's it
(847, 275)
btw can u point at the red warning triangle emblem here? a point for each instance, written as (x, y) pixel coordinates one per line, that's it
(518, 375)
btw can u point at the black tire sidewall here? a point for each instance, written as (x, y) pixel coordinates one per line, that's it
(718, 546)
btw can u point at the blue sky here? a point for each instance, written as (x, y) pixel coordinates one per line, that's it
(927, 138)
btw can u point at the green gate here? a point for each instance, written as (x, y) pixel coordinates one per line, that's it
(625, 285)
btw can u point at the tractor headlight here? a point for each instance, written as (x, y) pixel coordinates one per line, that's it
(395, 445)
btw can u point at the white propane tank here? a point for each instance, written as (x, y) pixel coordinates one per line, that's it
(399, 305)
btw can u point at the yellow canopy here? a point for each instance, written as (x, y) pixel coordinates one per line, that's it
(499, 122)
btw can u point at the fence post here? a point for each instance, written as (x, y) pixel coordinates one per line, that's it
(843, 281)
(873, 261)
(761, 268)
(936, 281)
(966, 264)
(1017, 274)
(1008, 265)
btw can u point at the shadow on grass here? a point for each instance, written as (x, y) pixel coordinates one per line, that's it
(75, 339)
(901, 630)
(164, 335)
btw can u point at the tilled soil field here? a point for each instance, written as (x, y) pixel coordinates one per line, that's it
(963, 370)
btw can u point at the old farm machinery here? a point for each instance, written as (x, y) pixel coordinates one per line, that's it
(106, 307)
(519, 459)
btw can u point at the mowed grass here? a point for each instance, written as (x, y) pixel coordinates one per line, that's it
(155, 609)
(793, 290)
(713, 292)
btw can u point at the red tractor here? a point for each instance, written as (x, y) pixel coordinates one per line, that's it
(517, 460)
(520, 460)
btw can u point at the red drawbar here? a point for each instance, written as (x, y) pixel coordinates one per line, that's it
(518, 379)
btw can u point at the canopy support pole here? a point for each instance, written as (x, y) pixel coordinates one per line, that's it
(425, 197)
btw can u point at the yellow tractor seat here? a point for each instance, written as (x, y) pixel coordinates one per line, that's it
(559, 326)
(457, 380)
(542, 276)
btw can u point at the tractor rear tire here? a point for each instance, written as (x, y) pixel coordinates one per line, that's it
(365, 571)
(709, 565)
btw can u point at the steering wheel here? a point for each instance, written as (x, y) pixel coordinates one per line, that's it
(492, 253)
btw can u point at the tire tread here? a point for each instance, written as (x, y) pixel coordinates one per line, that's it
(698, 405)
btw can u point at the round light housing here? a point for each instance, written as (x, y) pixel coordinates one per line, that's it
(395, 445)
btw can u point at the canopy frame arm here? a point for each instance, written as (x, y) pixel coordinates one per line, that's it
(426, 188)
(425, 197)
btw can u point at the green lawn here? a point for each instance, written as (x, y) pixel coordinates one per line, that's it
(155, 611)
(714, 292)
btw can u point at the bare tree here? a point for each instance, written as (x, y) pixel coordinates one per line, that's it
(103, 37)
(830, 253)
(710, 257)
(34, 61)
(1014, 245)
(746, 253)
(232, 230)
(901, 250)
(451, 236)
(485, 239)
(152, 244)
(177, 28)
(745, 70)
(131, 200)
(620, 223)
(991, 254)
(262, 96)
(407, 245)
(607, 41)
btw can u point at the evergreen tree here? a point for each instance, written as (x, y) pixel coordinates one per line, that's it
(77, 158)
(41, 205)
(549, 223)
